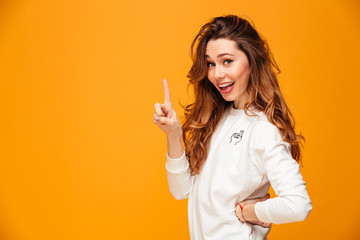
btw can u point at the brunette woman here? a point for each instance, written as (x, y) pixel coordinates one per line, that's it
(239, 138)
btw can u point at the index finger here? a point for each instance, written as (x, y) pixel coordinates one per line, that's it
(166, 92)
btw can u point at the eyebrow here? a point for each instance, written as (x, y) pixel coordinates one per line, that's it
(220, 55)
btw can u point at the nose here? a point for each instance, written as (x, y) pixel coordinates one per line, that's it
(219, 72)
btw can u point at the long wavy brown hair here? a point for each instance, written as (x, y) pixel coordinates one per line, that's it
(202, 116)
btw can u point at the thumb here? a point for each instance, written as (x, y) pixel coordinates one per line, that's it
(164, 120)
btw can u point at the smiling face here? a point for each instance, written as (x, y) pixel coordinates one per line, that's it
(228, 70)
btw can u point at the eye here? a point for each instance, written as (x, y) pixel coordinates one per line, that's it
(210, 64)
(228, 61)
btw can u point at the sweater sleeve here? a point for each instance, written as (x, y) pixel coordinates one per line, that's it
(179, 178)
(292, 202)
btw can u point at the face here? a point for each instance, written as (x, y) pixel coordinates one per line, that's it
(228, 70)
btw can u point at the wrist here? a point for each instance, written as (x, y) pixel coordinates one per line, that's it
(175, 145)
(241, 215)
(249, 213)
(175, 135)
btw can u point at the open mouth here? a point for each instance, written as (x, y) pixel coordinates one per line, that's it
(226, 87)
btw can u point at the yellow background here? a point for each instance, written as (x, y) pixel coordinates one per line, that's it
(80, 157)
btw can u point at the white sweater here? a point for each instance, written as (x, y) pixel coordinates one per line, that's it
(246, 155)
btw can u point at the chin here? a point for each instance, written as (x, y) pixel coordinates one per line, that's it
(228, 98)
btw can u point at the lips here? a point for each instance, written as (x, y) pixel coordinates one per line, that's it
(226, 87)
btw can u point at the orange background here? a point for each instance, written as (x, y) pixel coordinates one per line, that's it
(80, 157)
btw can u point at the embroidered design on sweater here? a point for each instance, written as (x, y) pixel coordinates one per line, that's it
(236, 137)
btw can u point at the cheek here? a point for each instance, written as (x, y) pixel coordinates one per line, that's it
(242, 73)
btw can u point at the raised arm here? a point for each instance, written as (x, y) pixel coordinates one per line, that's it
(177, 166)
(167, 120)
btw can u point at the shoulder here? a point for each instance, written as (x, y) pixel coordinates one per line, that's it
(262, 133)
(266, 146)
(260, 125)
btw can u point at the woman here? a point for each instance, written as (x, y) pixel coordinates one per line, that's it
(239, 138)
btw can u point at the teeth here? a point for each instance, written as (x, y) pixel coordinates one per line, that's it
(225, 85)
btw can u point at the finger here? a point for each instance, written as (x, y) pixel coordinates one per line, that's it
(266, 197)
(160, 120)
(166, 92)
(255, 200)
(158, 109)
(163, 121)
(156, 118)
(265, 225)
(250, 201)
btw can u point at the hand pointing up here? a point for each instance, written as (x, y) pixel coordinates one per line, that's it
(165, 116)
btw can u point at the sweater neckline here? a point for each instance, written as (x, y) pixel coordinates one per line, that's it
(236, 111)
